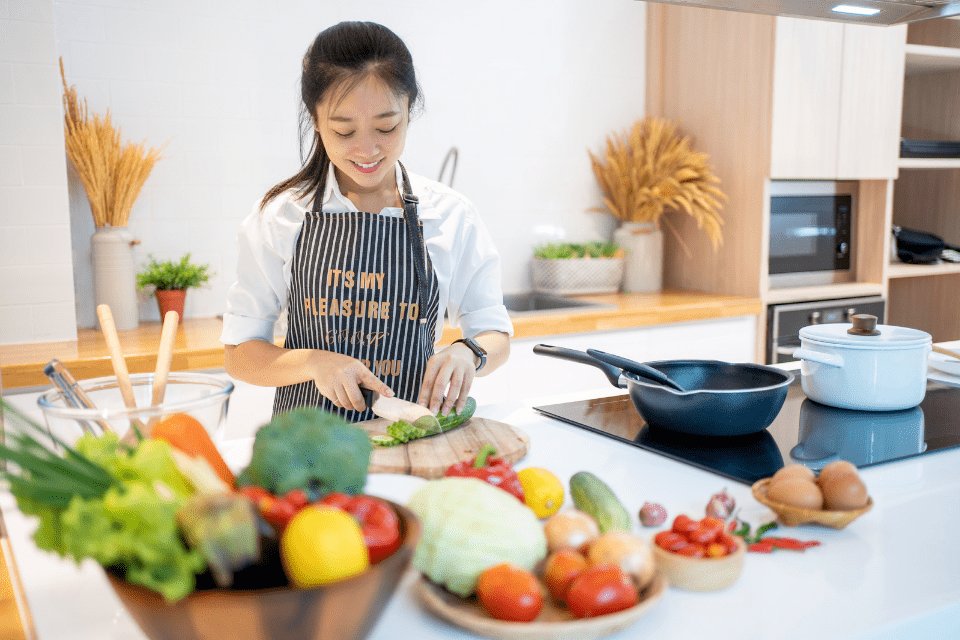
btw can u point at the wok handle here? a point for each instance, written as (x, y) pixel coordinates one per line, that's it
(612, 373)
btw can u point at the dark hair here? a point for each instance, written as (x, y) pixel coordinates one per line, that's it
(340, 58)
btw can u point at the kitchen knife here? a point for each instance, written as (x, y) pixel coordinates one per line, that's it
(395, 409)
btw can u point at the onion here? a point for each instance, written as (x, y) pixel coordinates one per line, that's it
(622, 548)
(570, 529)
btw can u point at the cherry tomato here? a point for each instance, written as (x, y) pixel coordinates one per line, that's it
(509, 592)
(728, 542)
(600, 589)
(693, 550)
(560, 570)
(297, 497)
(714, 524)
(702, 535)
(716, 550)
(683, 524)
(670, 540)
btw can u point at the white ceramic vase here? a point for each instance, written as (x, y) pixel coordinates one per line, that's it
(643, 244)
(114, 278)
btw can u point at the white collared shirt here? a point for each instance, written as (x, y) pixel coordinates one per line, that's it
(461, 250)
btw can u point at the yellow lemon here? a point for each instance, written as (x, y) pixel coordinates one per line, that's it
(542, 491)
(322, 544)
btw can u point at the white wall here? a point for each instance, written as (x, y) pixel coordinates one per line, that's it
(36, 266)
(521, 87)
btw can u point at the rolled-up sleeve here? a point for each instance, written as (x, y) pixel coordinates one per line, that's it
(476, 296)
(265, 241)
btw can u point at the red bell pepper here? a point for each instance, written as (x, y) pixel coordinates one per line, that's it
(378, 522)
(491, 469)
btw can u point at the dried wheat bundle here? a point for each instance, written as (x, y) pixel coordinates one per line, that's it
(649, 170)
(112, 172)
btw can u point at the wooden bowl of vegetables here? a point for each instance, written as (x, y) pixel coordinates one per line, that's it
(263, 606)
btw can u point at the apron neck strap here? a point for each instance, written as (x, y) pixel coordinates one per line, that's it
(416, 240)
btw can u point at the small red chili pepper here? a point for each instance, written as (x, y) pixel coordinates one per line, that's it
(792, 543)
(491, 469)
(764, 546)
(811, 543)
(378, 522)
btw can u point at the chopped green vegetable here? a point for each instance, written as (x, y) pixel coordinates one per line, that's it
(401, 432)
(308, 449)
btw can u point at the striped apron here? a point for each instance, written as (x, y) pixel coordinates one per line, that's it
(362, 284)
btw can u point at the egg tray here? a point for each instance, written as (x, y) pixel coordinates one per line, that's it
(795, 516)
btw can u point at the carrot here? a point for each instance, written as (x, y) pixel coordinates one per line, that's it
(187, 435)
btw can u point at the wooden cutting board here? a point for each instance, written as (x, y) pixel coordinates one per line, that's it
(430, 457)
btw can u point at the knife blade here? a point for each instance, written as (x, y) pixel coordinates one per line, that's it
(395, 409)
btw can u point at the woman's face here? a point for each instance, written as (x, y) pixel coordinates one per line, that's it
(363, 133)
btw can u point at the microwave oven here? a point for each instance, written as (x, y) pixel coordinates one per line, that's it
(811, 228)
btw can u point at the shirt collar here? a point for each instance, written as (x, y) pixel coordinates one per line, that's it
(334, 200)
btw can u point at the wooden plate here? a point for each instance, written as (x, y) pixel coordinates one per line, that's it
(553, 623)
(794, 516)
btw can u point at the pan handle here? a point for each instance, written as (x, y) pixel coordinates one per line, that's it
(612, 373)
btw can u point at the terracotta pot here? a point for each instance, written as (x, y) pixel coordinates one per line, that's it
(171, 300)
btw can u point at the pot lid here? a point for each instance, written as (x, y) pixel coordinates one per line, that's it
(887, 336)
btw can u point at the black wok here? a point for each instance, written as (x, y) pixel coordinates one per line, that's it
(721, 398)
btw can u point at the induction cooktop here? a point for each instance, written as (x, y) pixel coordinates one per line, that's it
(804, 431)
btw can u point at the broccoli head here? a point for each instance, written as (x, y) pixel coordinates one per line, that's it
(309, 449)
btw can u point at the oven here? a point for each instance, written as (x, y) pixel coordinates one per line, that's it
(784, 321)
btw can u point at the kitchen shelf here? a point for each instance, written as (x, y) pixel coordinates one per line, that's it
(923, 58)
(824, 292)
(904, 270)
(929, 163)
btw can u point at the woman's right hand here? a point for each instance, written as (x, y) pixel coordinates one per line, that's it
(339, 378)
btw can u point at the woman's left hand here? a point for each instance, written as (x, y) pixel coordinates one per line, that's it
(449, 373)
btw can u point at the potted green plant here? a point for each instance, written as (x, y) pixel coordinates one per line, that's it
(577, 268)
(171, 279)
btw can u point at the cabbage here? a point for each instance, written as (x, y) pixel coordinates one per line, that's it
(469, 526)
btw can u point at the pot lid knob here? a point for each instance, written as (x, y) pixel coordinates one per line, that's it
(864, 324)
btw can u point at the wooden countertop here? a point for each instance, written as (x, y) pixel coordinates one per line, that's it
(198, 339)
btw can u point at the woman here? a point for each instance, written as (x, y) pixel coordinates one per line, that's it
(363, 255)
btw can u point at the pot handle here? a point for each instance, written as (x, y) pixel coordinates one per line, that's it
(612, 373)
(829, 359)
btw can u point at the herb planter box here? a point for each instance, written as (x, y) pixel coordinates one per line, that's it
(566, 276)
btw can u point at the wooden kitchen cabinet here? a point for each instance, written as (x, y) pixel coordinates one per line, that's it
(771, 98)
(837, 90)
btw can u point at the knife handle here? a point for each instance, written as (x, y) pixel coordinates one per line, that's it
(367, 396)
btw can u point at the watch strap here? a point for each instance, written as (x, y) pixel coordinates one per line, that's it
(478, 351)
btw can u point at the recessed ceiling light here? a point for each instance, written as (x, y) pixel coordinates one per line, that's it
(860, 11)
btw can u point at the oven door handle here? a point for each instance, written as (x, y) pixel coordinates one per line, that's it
(829, 359)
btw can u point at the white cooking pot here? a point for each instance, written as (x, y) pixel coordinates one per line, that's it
(863, 365)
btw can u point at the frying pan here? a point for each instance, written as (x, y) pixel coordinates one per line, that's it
(721, 398)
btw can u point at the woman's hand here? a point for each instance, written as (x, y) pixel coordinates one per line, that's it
(339, 378)
(449, 372)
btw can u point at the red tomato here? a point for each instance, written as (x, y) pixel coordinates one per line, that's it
(670, 540)
(702, 535)
(600, 589)
(714, 524)
(684, 524)
(716, 550)
(509, 592)
(693, 550)
(560, 570)
(728, 541)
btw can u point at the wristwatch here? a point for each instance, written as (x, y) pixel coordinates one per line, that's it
(477, 350)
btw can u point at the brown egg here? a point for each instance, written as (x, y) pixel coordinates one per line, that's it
(796, 492)
(844, 491)
(793, 471)
(836, 468)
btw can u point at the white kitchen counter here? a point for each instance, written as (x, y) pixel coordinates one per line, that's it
(893, 573)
